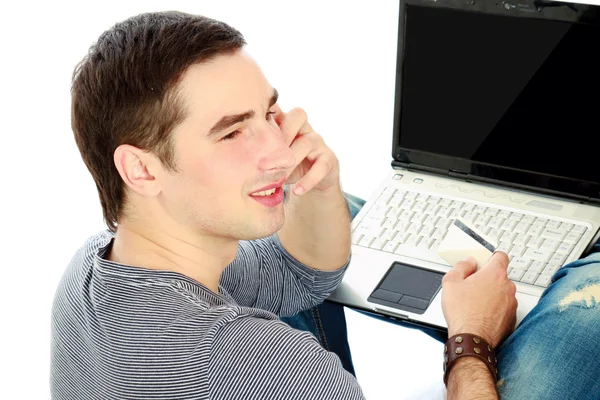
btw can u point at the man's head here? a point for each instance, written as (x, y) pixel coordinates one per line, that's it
(174, 121)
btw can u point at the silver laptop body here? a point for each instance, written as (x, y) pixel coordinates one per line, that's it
(495, 114)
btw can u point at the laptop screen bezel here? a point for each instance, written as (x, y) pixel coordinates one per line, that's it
(575, 12)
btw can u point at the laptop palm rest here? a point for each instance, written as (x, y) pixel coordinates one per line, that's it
(406, 287)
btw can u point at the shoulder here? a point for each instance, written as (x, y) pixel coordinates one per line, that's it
(254, 357)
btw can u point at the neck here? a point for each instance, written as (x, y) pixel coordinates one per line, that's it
(200, 257)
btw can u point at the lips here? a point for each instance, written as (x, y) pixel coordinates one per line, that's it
(268, 190)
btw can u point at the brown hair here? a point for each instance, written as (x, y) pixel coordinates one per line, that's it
(124, 91)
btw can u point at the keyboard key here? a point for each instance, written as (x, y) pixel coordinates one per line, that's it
(431, 220)
(356, 236)
(492, 212)
(535, 242)
(425, 243)
(558, 259)
(390, 223)
(528, 218)
(517, 250)
(565, 248)
(521, 238)
(565, 227)
(537, 266)
(378, 243)
(413, 240)
(572, 238)
(579, 229)
(378, 211)
(516, 274)
(427, 230)
(553, 234)
(530, 277)
(468, 207)
(537, 255)
(543, 280)
(553, 224)
(402, 237)
(366, 241)
(438, 234)
(391, 246)
(515, 217)
(535, 230)
(414, 228)
(550, 244)
(389, 234)
(504, 214)
(420, 207)
(495, 234)
(508, 236)
(509, 225)
(496, 223)
(522, 227)
(521, 263)
(480, 209)
(551, 268)
(505, 247)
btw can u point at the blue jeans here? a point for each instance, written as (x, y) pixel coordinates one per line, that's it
(551, 355)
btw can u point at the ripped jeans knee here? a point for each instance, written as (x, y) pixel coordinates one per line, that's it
(555, 351)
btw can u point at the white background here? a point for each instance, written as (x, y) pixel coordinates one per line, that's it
(336, 59)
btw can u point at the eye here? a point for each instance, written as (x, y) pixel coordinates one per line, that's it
(270, 115)
(231, 136)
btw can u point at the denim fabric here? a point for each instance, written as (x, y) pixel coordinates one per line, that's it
(553, 354)
(555, 351)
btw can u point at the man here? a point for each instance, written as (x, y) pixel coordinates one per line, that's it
(182, 297)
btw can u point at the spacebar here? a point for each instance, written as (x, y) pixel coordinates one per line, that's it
(421, 254)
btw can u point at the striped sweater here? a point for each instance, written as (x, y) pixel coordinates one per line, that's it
(122, 332)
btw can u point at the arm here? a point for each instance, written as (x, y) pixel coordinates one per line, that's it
(254, 358)
(482, 303)
(471, 380)
(317, 226)
(316, 231)
(264, 275)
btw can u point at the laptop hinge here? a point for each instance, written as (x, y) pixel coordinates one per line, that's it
(418, 167)
(458, 174)
(472, 178)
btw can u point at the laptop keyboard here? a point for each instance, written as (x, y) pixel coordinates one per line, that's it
(403, 221)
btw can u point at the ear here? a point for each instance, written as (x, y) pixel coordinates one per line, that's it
(134, 165)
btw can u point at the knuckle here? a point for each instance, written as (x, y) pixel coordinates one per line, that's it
(299, 113)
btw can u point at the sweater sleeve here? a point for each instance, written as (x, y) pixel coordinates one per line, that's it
(252, 358)
(264, 275)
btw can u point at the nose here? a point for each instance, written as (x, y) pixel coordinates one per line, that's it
(275, 154)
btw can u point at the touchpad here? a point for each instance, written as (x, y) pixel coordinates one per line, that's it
(407, 287)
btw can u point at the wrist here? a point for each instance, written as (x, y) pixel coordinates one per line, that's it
(469, 346)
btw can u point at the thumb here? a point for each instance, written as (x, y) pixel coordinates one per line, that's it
(462, 270)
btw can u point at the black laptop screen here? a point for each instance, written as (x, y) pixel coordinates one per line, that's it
(511, 91)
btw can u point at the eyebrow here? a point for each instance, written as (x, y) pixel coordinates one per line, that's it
(230, 120)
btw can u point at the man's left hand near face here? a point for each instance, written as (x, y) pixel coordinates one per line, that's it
(316, 165)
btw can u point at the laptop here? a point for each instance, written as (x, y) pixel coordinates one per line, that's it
(496, 110)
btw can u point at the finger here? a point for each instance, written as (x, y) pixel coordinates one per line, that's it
(303, 146)
(317, 172)
(294, 123)
(279, 115)
(462, 270)
(499, 260)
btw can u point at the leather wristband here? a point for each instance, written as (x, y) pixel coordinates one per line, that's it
(468, 345)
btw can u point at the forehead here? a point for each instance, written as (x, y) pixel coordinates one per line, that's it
(229, 84)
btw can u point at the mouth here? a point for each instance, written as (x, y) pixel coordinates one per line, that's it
(264, 193)
(269, 189)
(271, 195)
